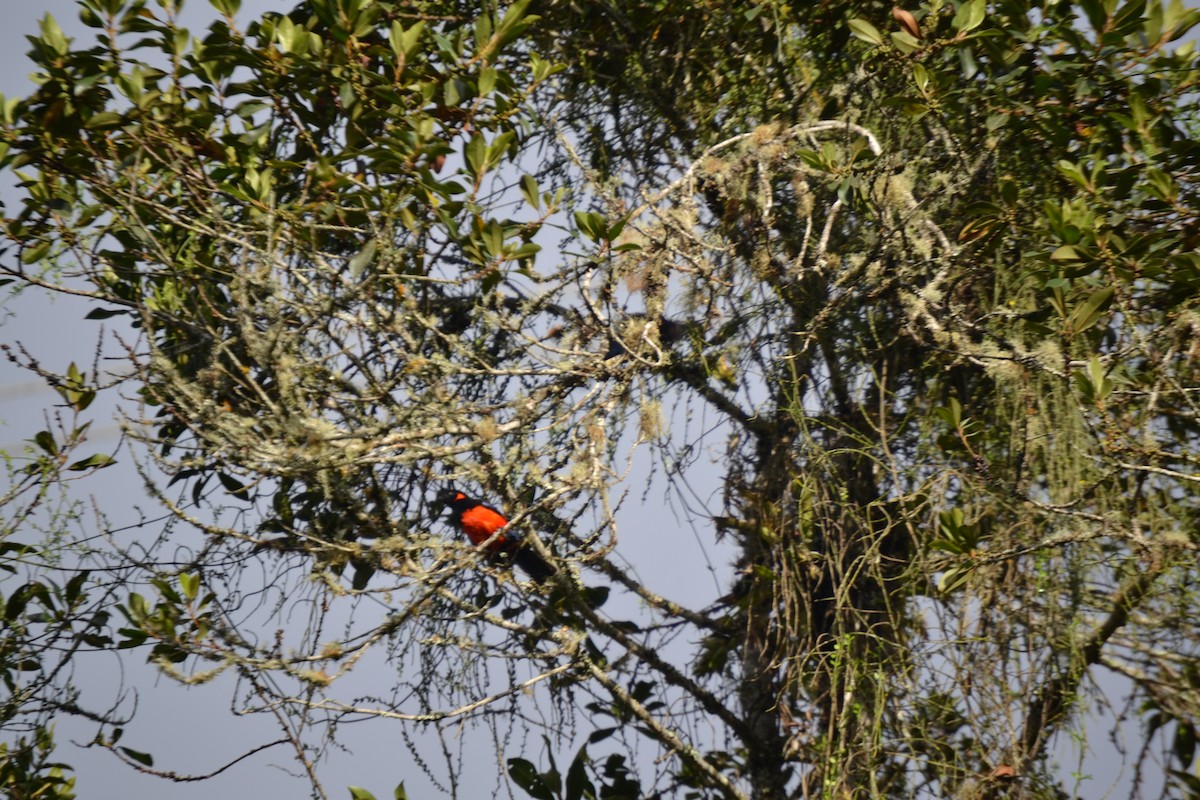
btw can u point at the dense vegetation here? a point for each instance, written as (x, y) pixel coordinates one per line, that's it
(919, 285)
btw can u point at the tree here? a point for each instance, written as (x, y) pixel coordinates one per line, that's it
(57, 609)
(932, 292)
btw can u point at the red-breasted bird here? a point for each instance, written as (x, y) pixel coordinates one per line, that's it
(480, 522)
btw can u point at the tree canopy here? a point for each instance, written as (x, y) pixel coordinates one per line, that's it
(917, 285)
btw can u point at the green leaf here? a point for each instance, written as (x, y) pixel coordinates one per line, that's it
(529, 190)
(543, 69)
(1128, 17)
(1094, 385)
(947, 546)
(45, 440)
(591, 225)
(490, 281)
(399, 793)
(1074, 173)
(476, 155)
(405, 41)
(487, 81)
(362, 576)
(17, 603)
(921, 77)
(1097, 13)
(1162, 185)
(499, 147)
(79, 399)
(970, 15)
(145, 759)
(189, 582)
(951, 413)
(615, 229)
(953, 579)
(1185, 743)
(52, 35)
(105, 313)
(968, 66)
(97, 461)
(32, 255)
(905, 42)
(483, 30)
(513, 23)
(527, 250)
(234, 486)
(525, 774)
(577, 784)
(600, 734)
(1089, 312)
(359, 793)
(865, 31)
(133, 638)
(1184, 22)
(104, 120)
(363, 258)
(492, 239)
(227, 7)
(74, 587)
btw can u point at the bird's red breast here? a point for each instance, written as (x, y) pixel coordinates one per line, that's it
(478, 520)
(479, 523)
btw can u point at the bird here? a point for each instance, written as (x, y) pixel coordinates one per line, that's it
(480, 522)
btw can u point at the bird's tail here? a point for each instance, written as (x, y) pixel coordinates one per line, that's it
(534, 565)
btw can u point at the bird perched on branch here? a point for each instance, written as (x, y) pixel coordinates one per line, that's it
(480, 522)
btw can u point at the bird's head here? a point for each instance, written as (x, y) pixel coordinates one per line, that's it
(448, 497)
